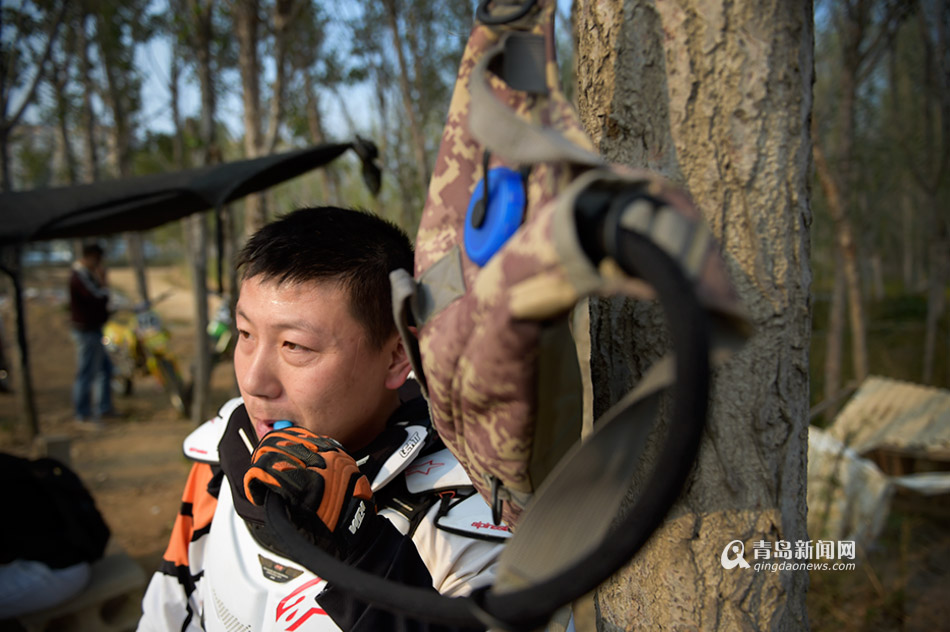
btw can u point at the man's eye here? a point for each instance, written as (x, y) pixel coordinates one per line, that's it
(293, 346)
(243, 333)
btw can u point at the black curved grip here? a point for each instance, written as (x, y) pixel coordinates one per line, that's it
(483, 15)
(526, 609)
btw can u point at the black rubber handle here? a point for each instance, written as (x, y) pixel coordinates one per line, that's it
(527, 608)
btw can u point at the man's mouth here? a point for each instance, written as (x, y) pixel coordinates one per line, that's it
(263, 426)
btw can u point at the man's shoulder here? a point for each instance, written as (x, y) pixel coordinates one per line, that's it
(202, 443)
(437, 478)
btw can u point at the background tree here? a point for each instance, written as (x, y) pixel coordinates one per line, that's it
(410, 51)
(317, 73)
(926, 128)
(118, 28)
(251, 31)
(29, 34)
(716, 98)
(198, 36)
(863, 31)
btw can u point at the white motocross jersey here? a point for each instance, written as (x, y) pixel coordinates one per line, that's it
(216, 576)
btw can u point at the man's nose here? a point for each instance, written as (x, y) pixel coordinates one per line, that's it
(260, 377)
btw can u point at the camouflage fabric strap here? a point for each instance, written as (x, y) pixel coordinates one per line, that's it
(498, 128)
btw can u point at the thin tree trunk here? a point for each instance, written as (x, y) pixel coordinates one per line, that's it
(61, 78)
(844, 235)
(122, 137)
(328, 181)
(936, 292)
(284, 13)
(6, 184)
(10, 260)
(9, 120)
(877, 275)
(247, 27)
(834, 340)
(415, 130)
(88, 90)
(907, 240)
(178, 139)
(701, 90)
(195, 226)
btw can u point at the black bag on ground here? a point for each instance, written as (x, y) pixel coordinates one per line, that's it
(49, 514)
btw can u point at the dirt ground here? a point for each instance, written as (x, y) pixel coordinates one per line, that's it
(135, 468)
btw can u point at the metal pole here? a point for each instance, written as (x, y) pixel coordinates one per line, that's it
(10, 265)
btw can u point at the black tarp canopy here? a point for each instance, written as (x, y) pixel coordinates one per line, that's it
(144, 202)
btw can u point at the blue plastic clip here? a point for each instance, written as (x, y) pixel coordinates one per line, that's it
(489, 226)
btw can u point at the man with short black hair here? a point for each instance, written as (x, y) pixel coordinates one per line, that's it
(89, 311)
(324, 423)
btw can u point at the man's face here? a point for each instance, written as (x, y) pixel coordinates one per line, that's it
(301, 356)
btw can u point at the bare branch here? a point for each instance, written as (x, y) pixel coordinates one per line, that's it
(7, 124)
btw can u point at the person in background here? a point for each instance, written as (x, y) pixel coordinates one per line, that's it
(89, 311)
(326, 423)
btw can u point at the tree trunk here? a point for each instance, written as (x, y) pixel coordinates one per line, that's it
(11, 263)
(284, 13)
(26, 95)
(328, 180)
(115, 97)
(88, 90)
(61, 75)
(907, 239)
(247, 27)
(716, 98)
(6, 184)
(936, 291)
(135, 245)
(196, 229)
(845, 242)
(421, 167)
(834, 340)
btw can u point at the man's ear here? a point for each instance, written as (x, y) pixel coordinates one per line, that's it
(399, 367)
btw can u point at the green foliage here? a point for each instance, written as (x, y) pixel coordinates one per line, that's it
(35, 162)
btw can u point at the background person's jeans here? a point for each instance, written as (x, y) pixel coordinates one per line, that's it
(93, 367)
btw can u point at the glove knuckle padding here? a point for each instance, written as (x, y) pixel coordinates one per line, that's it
(341, 475)
(320, 482)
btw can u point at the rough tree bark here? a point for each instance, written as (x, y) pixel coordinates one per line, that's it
(715, 95)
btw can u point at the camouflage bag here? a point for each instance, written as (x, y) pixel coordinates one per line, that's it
(495, 284)
(503, 264)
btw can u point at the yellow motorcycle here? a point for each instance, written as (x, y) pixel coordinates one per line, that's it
(138, 344)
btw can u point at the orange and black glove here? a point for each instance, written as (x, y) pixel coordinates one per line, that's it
(327, 497)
